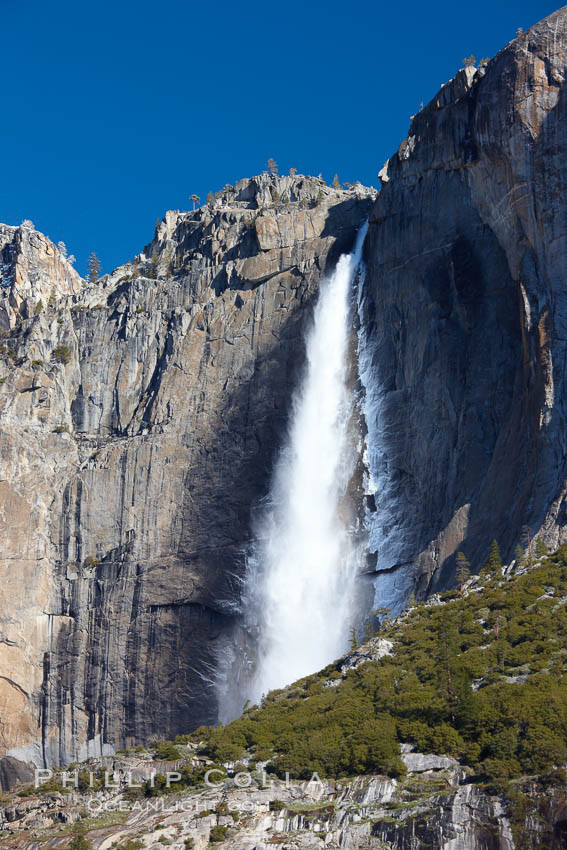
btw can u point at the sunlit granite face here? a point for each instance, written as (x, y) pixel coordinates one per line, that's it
(139, 423)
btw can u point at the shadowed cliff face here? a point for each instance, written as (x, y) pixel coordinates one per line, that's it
(139, 424)
(465, 313)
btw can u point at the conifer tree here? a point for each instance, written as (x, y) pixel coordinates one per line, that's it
(369, 630)
(447, 650)
(272, 166)
(463, 569)
(94, 268)
(527, 539)
(79, 840)
(465, 707)
(499, 622)
(540, 548)
(519, 556)
(494, 559)
(336, 182)
(154, 265)
(382, 613)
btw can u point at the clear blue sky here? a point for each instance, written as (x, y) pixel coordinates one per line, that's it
(116, 111)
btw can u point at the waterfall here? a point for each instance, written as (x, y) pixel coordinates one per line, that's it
(301, 569)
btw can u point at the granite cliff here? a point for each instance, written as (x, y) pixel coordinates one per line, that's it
(430, 807)
(464, 317)
(140, 414)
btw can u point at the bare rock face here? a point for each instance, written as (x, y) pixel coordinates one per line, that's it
(33, 273)
(139, 420)
(465, 316)
(14, 772)
(435, 808)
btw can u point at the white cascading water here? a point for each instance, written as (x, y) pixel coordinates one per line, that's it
(303, 565)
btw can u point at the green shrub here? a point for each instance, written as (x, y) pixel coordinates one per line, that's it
(91, 561)
(158, 788)
(218, 833)
(61, 354)
(84, 781)
(61, 429)
(79, 841)
(167, 751)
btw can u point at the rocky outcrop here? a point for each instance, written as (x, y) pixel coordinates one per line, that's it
(256, 811)
(139, 420)
(464, 315)
(33, 273)
(14, 772)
